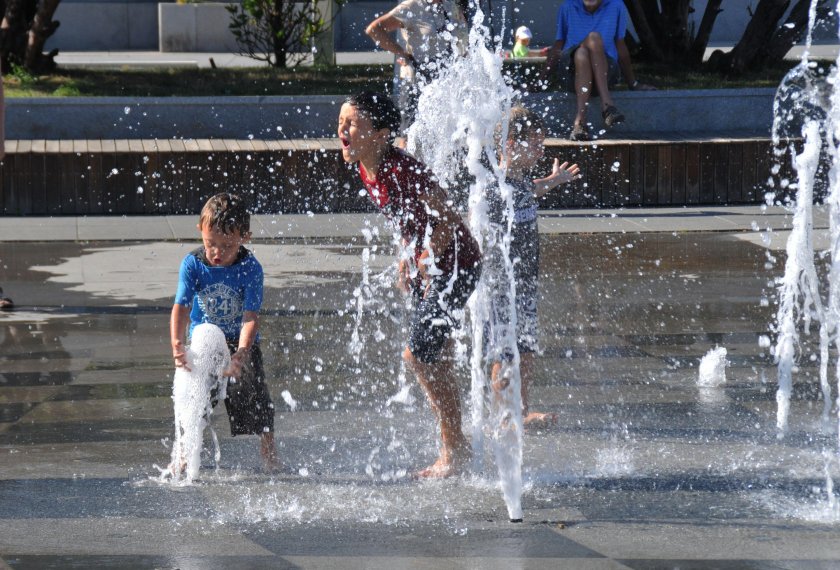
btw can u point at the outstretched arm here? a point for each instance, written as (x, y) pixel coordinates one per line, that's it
(381, 31)
(178, 333)
(448, 220)
(247, 337)
(560, 174)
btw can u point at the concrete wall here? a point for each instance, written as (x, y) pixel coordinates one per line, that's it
(195, 27)
(133, 24)
(96, 25)
(658, 113)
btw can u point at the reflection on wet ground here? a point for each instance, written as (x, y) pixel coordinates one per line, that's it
(645, 470)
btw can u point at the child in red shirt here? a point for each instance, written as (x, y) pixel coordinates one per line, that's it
(445, 260)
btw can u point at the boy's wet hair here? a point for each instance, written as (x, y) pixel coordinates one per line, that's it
(522, 123)
(227, 213)
(379, 108)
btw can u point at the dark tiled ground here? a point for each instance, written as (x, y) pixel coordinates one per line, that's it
(645, 471)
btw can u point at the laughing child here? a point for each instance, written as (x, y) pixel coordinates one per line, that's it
(444, 264)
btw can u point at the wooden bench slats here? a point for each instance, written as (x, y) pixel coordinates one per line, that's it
(136, 176)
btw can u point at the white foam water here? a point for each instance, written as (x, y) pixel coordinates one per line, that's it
(207, 357)
(801, 99)
(458, 116)
(712, 369)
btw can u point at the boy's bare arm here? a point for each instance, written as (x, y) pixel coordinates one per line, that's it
(247, 337)
(560, 174)
(178, 332)
(448, 219)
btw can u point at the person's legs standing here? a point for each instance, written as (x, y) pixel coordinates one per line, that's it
(438, 382)
(428, 356)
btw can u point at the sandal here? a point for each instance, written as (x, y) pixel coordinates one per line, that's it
(579, 133)
(5, 303)
(612, 116)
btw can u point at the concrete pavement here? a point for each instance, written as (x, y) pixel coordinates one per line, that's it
(320, 226)
(646, 469)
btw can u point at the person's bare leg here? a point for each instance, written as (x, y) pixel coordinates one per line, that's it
(599, 67)
(529, 418)
(268, 451)
(438, 382)
(583, 83)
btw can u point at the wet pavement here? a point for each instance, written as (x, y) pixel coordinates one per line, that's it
(645, 469)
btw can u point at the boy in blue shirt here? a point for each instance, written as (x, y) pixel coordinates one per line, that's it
(222, 283)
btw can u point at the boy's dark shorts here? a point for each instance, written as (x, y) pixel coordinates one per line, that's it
(248, 403)
(525, 250)
(566, 70)
(433, 318)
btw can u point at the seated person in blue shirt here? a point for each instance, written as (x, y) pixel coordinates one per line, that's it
(588, 53)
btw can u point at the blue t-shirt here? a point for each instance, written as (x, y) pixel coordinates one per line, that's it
(220, 295)
(574, 23)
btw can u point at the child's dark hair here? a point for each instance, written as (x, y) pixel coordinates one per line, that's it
(379, 108)
(523, 122)
(227, 213)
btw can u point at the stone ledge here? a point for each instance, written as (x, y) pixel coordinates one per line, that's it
(297, 117)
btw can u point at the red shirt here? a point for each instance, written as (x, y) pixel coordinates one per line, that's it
(395, 189)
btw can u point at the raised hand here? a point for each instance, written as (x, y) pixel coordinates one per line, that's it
(563, 173)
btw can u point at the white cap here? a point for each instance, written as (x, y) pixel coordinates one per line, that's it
(522, 32)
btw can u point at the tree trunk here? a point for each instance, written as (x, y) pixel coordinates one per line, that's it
(25, 28)
(277, 27)
(647, 39)
(653, 15)
(793, 31)
(704, 32)
(757, 35)
(42, 28)
(13, 30)
(675, 28)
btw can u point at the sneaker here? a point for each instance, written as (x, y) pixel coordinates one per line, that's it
(612, 116)
(579, 133)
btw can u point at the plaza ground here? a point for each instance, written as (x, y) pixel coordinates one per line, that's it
(645, 470)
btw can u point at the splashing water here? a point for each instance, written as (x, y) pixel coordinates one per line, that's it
(458, 115)
(207, 358)
(799, 288)
(800, 299)
(712, 369)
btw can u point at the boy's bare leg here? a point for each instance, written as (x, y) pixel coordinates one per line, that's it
(439, 384)
(529, 418)
(268, 451)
